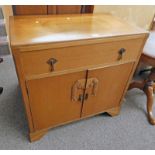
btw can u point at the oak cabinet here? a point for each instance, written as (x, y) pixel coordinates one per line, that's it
(72, 67)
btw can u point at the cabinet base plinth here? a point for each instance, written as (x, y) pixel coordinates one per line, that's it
(34, 136)
(114, 111)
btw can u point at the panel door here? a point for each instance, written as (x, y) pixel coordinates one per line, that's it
(106, 91)
(70, 9)
(64, 9)
(51, 9)
(51, 99)
(30, 9)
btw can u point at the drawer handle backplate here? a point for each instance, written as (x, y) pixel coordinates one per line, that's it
(121, 52)
(92, 83)
(52, 62)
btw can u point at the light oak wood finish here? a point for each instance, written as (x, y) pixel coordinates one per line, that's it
(91, 59)
(114, 111)
(50, 100)
(37, 135)
(33, 30)
(79, 56)
(107, 88)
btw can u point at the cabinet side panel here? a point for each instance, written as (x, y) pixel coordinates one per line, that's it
(21, 80)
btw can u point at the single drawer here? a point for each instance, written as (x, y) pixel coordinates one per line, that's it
(37, 62)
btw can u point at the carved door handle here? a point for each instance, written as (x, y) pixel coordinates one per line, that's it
(92, 83)
(78, 85)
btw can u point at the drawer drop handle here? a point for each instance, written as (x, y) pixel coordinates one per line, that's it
(121, 53)
(51, 62)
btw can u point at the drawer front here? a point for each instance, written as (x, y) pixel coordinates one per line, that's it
(35, 62)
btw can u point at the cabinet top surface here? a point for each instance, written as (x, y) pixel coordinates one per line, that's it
(29, 30)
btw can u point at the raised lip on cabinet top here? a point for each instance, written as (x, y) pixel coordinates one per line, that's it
(42, 30)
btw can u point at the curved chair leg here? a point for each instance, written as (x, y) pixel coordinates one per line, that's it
(149, 93)
(148, 87)
(154, 88)
(137, 84)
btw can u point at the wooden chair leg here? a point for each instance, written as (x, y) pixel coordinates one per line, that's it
(154, 87)
(137, 84)
(149, 93)
(148, 87)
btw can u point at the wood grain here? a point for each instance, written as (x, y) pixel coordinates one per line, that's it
(111, 80)
(79, 56)
(68, 9)
(32, 30)
(50, 100)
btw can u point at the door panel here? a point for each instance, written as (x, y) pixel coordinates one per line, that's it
(51, 9)
(111, 82)
(30, 9)
(68, 9)
(87, 8)
(50, 99)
